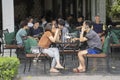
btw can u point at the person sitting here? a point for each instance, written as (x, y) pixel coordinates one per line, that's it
(79, 22)
(45, 42)
(99, 28)
(69, 22)
(78, 25)
(54, 28)
(64, 30)
(22, 34)
(35, 31)
(93, 41)
(30, 22)
(44, 22)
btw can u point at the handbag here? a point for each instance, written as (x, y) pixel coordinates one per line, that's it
(36, 49)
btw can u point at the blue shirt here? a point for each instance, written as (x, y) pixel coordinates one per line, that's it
(21, 33)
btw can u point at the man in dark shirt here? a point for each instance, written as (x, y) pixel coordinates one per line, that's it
(99, 28)
(35, 31)
(79, 22)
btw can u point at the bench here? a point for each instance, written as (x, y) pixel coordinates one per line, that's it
(30, 56)
(4, 45)
(101, 55)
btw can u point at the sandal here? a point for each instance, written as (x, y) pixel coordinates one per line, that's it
(54, 71)
(76, 70)
(59, 67)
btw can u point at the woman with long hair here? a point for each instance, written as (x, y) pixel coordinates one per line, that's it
(46, 40)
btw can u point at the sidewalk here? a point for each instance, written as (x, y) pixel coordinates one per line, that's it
(100, 73)
(74, 77)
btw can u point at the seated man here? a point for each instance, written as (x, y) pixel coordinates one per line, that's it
(99, 28)
(79, 22)
(35, 31)
(64, 30)
(94, 45)
(22, 34)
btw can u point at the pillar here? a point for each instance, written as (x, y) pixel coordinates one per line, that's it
(8, 15)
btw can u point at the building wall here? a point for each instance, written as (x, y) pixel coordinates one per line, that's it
(20, 10)
(36, 10)
(98, 7)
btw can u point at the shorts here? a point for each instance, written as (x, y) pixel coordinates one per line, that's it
(93, 51)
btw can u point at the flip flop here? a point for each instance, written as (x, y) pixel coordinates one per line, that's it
(54, 71)
(59, 67)
(76, 70)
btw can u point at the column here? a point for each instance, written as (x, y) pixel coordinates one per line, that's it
(102, 11)
(93, 9)
(98, 7)
(8, 15)
(84, 8)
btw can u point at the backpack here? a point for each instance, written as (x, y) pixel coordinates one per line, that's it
(31, 46)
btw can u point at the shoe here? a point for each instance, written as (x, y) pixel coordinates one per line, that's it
(35, 61)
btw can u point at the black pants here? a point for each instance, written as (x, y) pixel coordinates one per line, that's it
(20, 53)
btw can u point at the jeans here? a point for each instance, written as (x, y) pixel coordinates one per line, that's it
(52, 52)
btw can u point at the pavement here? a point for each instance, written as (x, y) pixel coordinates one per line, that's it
(97, 73)
(75, 77)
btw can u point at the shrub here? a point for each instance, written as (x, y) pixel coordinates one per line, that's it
(8, 67)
